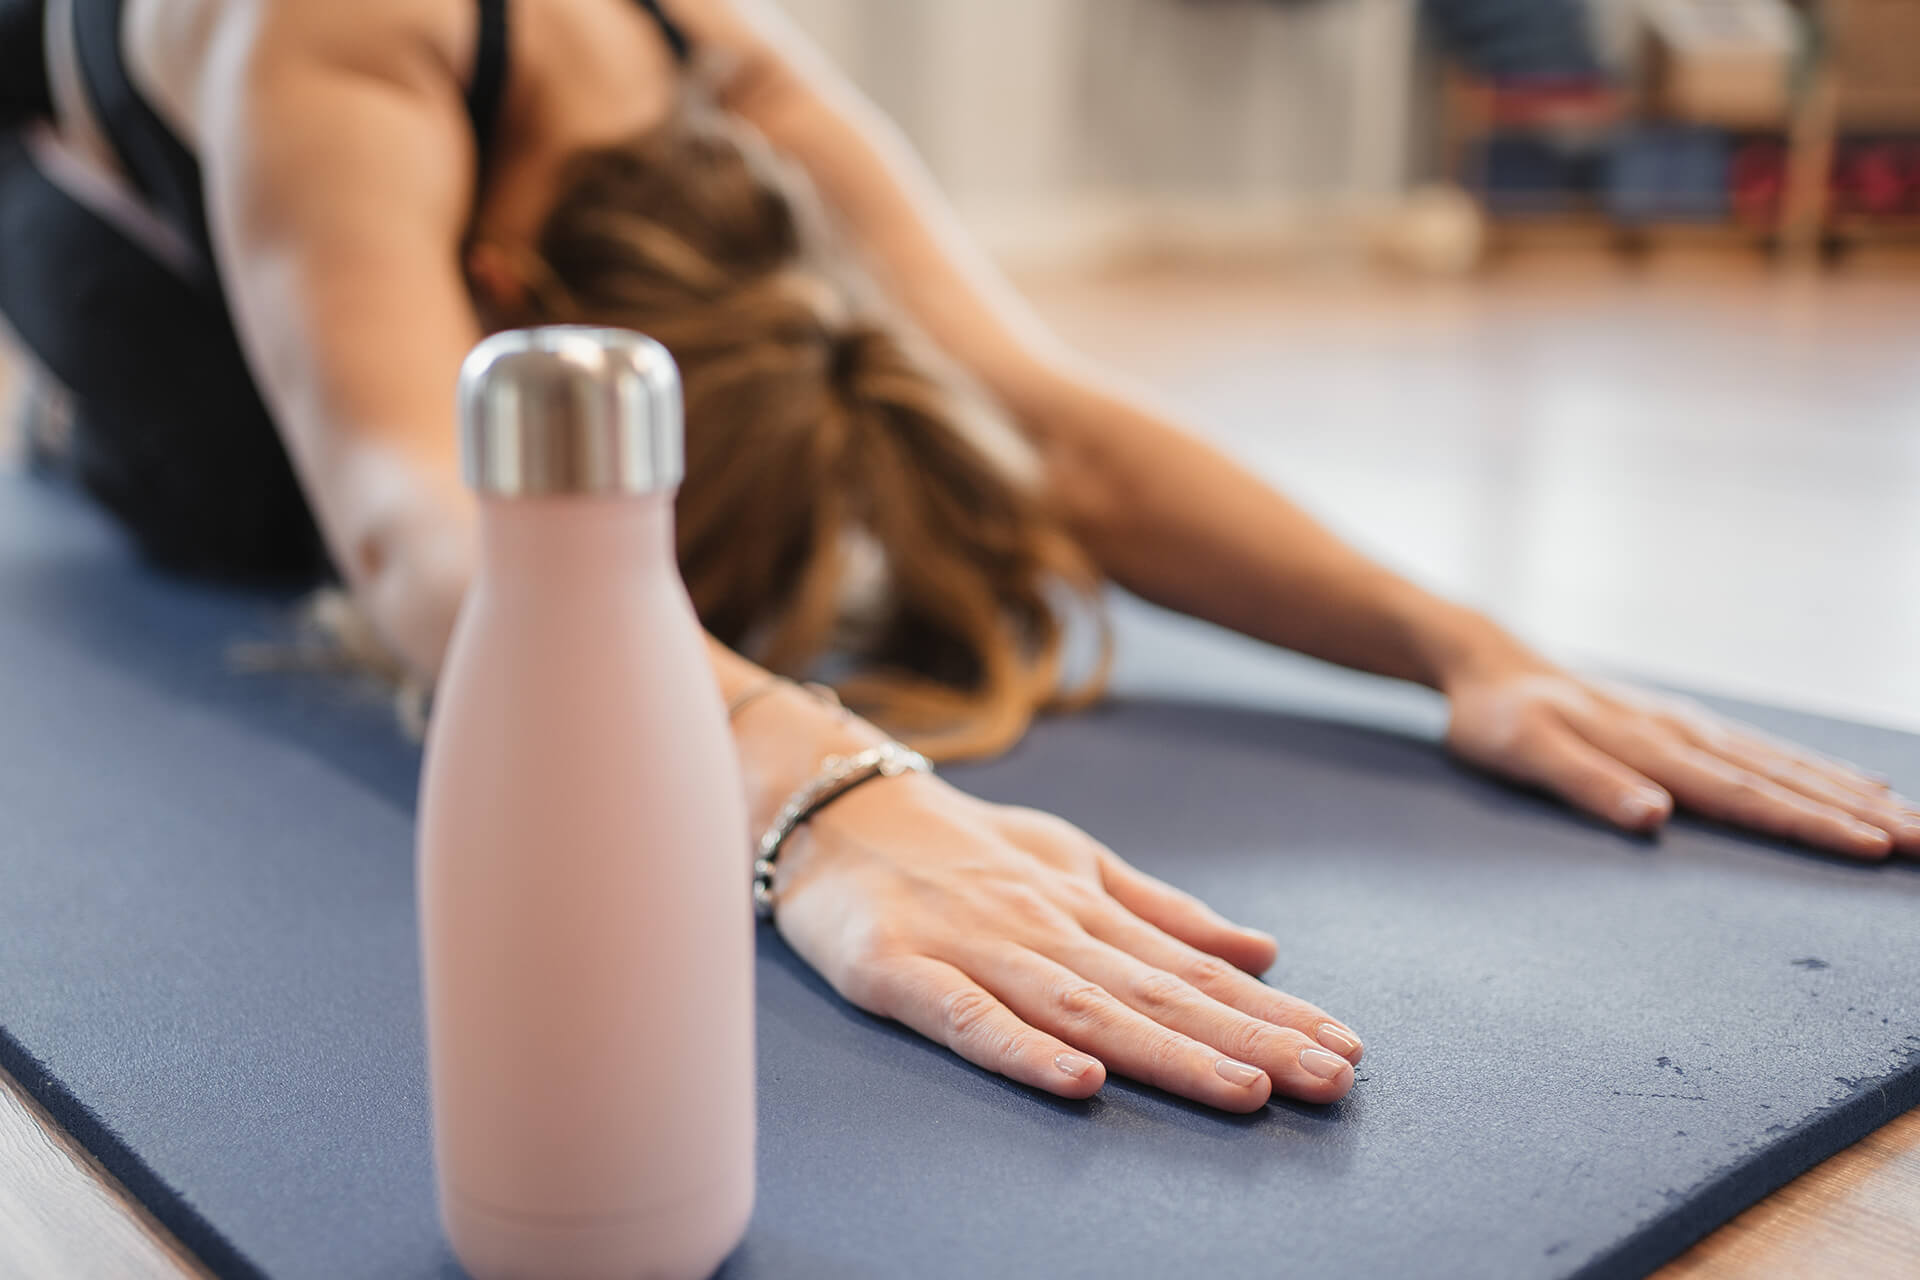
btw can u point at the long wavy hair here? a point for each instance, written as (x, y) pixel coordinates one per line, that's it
(850, 510)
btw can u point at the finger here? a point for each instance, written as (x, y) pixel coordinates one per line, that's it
(1185, 916)
(1845, 776)
(1706, 729)
(1720, 789)
(1057, 1000)
(1298, 1067)
(1817, 780)
(1222, 982)
(947, 1007)
(1883, 809)
(1561, 761)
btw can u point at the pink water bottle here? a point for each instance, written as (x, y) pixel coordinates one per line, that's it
(586, 924)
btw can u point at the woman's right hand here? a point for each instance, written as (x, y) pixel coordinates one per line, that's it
(1032, 950)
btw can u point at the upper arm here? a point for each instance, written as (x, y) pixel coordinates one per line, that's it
(339, 167)
(875, 184)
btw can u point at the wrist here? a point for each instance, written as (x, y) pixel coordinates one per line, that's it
(839, 775)
(783, 736)
(1452, 644)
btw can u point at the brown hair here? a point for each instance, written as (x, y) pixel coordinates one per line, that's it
(815, 433)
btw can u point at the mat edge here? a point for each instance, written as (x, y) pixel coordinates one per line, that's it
(1733, 1192)
(137, 1179)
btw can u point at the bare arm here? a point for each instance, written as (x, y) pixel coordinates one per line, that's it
(1126, 471)
(339, 193)
(1178, 522)
(339, 190)
(338, 166)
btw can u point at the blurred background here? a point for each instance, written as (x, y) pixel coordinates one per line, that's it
(1601, 314)
(1438, 133)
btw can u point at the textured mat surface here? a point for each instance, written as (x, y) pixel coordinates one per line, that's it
(1584, 1050)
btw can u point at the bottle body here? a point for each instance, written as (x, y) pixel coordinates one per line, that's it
(587, 938)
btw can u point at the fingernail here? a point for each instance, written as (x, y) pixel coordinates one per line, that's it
(1073, 1064)
(1636, 807)
(1323, 1064)
(1340, 1041)
(1873, 835)
(1909, 829)
(1237, 1073)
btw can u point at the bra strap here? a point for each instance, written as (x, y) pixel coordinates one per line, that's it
(675, 35)
(161, 167)
(487, 88)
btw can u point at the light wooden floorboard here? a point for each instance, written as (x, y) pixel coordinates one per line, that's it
(63, 1217)
(1857, 1215)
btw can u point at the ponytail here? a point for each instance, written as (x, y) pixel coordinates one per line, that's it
(820, 443)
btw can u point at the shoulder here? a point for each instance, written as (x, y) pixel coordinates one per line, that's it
(337, 120)
(252, 47)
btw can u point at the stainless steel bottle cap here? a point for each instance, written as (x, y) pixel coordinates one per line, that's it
(570, 409)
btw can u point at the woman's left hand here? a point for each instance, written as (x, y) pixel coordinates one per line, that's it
(1627, 756)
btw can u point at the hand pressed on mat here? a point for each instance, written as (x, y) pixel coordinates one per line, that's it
(1627, 756)
(1034, 951)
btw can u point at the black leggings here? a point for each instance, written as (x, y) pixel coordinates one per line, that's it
(170, 432)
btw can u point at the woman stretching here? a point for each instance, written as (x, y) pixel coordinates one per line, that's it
(255, 240)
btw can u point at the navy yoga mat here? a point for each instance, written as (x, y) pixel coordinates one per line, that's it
(1585, 1050)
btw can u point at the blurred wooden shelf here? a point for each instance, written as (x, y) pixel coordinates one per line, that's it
(1861, 80)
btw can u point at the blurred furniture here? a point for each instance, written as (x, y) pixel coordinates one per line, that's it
(1794, 128)
(1864, 83)
(1721, 62)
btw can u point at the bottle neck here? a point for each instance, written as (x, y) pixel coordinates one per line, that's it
(536, 540)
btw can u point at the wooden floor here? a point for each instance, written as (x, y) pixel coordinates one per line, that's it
(62, 1217)
(1706, 474)
(1856, 1216)
(1709, 476)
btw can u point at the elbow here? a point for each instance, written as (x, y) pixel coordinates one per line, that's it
(412, 601)
(1077, 449)
(1080, 486)
(407, 586)
(403, 541)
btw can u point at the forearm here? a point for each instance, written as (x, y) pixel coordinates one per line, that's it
(782, 735)
(888, 211)
(1242, 555)
(1179, 523)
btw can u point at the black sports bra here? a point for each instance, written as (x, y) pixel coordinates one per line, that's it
(167, 174)
(489, 83)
